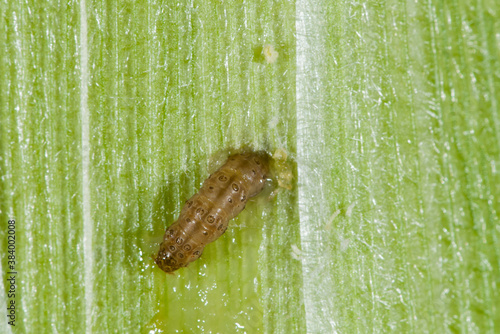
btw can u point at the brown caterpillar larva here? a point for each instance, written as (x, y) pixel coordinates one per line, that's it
(205, 216)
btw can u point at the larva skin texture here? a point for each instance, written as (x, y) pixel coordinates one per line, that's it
(205, 216)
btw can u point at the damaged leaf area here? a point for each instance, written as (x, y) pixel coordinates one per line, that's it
(383, 122)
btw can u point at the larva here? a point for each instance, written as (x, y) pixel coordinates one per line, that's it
(205, 216)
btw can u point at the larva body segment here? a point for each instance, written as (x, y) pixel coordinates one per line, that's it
(205, 216)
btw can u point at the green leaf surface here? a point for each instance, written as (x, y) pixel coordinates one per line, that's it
(113, 113)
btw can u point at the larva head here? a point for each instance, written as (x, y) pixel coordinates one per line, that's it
(165, 260)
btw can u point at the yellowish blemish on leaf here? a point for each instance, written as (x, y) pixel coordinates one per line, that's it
(348, 212)
(296, 253)
(281, 172)
(284, 173)
(270, 54)
(328, 225)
